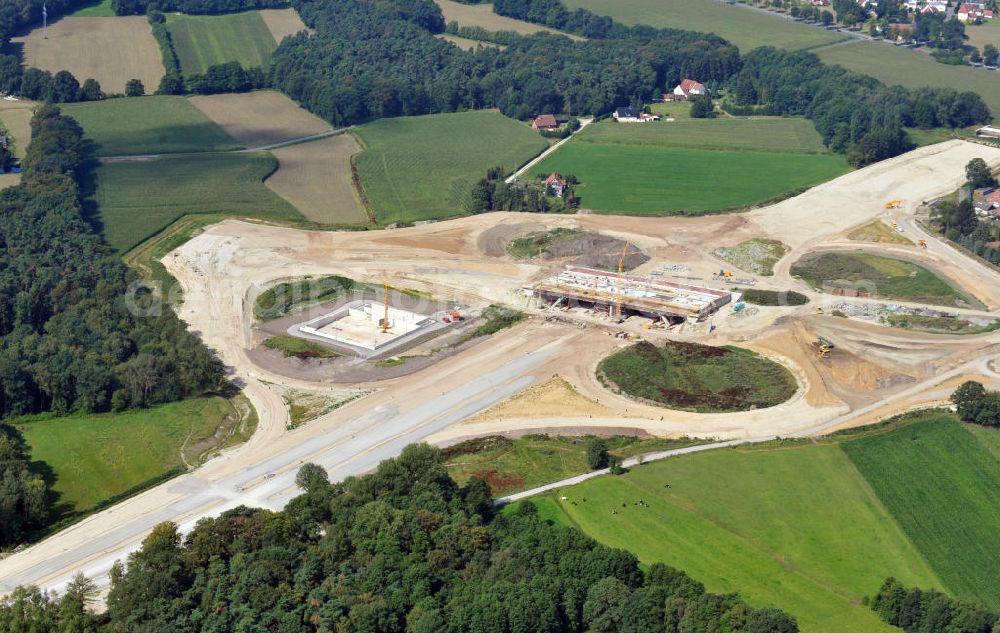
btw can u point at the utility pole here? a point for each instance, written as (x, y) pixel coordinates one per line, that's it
(45, 22)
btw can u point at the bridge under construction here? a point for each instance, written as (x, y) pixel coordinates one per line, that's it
(622, 294)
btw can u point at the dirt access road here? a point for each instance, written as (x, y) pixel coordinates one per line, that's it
(223, 269)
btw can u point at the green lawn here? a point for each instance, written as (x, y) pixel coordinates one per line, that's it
(207, 40)
(535, 460)
(695, 377)
(98, 9)
(95, 457)
(420, 168)
(776, 134)
(884, 277)
(744, 27)
(650, 180)
(136, 199)
(894, 65)
(982, 34)
(148, 125)
(794, 527)
(942, 486)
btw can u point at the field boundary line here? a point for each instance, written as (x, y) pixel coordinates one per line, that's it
(241, 150)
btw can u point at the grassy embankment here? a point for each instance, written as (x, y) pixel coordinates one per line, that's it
(695, 377)
(96, 458)
(883, 277)
(534, 244)
(202, 41)
(811, 527)
(674, 167)
(421, 168)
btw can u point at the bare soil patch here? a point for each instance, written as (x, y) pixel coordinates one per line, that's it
(493, 241)
(110, 50)
(9, 180)
(482, 15)
(551, 399)
(257, 119)
(282, 22)
(316, 178)
(16, 117)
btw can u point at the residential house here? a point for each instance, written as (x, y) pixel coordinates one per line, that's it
(982, 192)
(969, 12)
(633, 115)
(544, 122)
(685, 90)
(982, 207)
(555, 185)
(994, 199)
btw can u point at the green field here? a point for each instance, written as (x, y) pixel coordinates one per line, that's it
(138, 198)
(692, 165)
(534, 460)
(743, 27)
(774, 134)
(884, 277)
(942, 486)
(98, 9)
(299, 348)
(421, 168)
(794, 527)
(207, 40)
(894, 65)
(148, 125)
(982, 34)
(95, 457)
(697, 377)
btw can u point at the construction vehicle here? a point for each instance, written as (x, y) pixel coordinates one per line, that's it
(922, 243)
(893, 204)
(894, 224)
(819, 310)
(456, 316)
(824, 347)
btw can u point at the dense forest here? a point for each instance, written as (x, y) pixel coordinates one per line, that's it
(72, 335)
(917, 611)
(193, 7)
(370, 60)
(855, 114)
(404, 549)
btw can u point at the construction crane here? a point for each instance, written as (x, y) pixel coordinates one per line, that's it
(384, 323)
(621, 267)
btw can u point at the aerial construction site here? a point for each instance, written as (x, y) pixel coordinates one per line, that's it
(401, 369)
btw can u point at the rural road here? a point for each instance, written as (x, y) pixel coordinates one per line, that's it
(537, 159)
(245, 150)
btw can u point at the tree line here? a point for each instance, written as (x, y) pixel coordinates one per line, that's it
(369, 60)
(193, 7)
(975, 404)
(404, 549)
(494, 193)
(927, 611)
(856, 115)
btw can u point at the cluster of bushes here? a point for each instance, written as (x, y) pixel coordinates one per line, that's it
(956, 218)
(478, 33)
(370, 60)
(760, 297)
(281, 299)
(497, 318)
(917, 611)
(61, 87)
(493, 193)
(855, 115)
(404, 549)
(977, 405)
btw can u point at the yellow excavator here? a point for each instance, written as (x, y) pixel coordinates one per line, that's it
(824, 347)
(893, 204)
(922, 243)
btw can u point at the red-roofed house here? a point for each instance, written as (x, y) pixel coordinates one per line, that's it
(994, 199)
(556, 184)
(685, 90)
(968, 12)
(544, 122)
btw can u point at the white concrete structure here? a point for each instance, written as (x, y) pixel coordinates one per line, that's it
(358, 324)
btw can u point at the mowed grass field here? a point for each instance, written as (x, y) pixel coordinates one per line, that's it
(743, 27)
(899, 66)
(420, 168)
(942, 485)
(207, 40)
(98, 9)
(111, 50)
(138, 198)
(795, 527)
(885, 277)
(95, 457)
(148, 125)
(692, 165)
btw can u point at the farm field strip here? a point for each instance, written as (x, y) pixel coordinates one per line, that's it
(202, 41)
(150, 125)
(419, 168)
(17, 122)
(746, 28)
(137, 199)
(813, 545)
(282, 22)
(259, 118)
(111, 50)
(943, 487)
(482, 15)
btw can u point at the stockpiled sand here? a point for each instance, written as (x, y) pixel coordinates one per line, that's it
(316, 178)
(111, 50)
(256, 119)
(282, 22)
